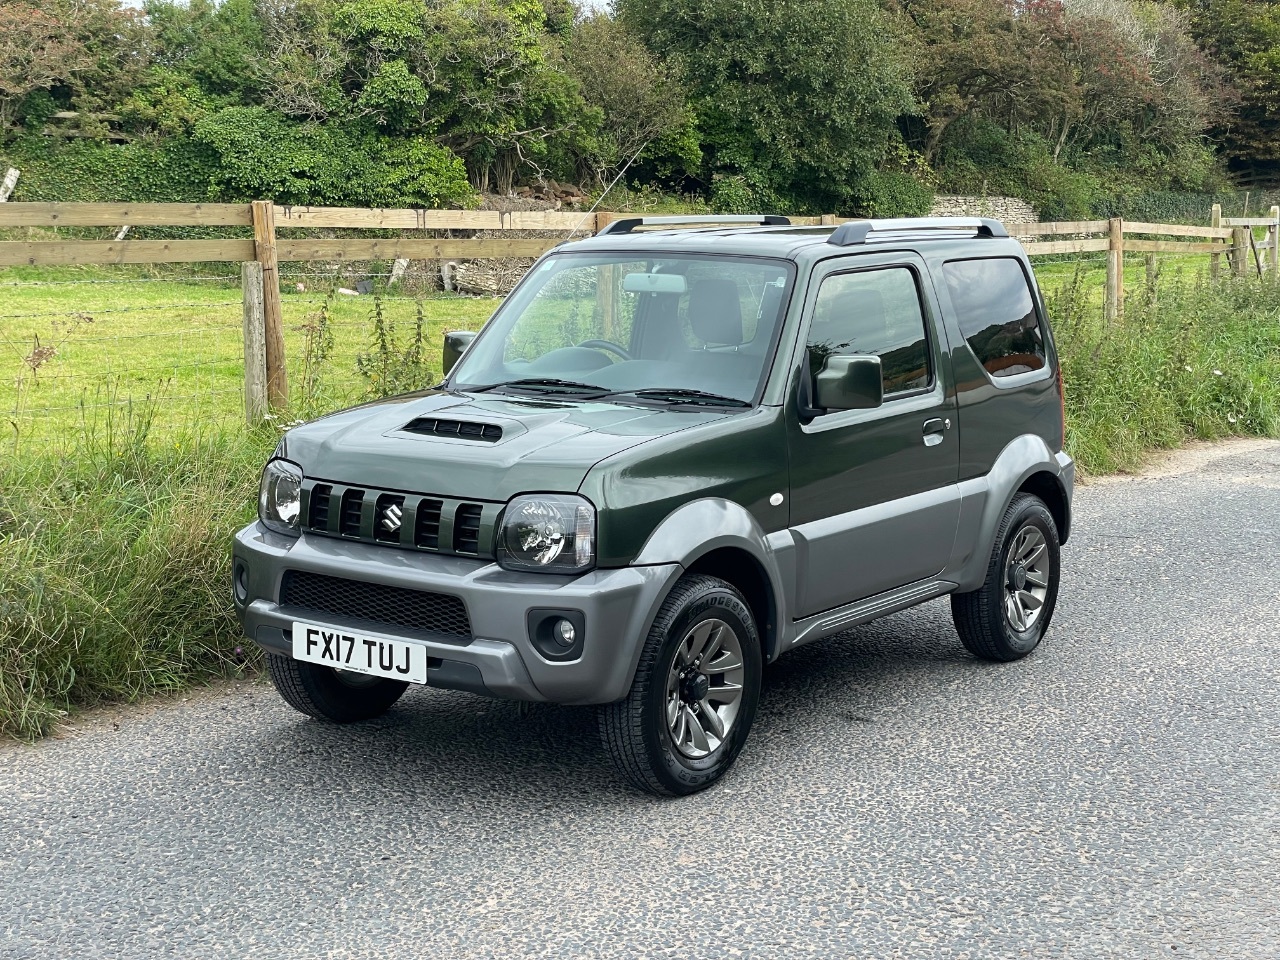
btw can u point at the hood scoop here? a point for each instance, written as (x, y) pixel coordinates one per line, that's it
(458, 429)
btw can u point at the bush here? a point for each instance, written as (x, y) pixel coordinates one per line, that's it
(1190, 358)
(175, 171)
(115, 567)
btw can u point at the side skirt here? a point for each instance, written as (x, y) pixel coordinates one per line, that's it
(852, 614)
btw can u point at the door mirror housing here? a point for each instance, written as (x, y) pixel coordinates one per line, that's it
(849, 383)
(455, 345)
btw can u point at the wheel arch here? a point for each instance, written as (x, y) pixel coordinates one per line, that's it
(722, 539)
(1026, 465)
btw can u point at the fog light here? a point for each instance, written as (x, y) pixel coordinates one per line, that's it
(241, 583)
(565, 634)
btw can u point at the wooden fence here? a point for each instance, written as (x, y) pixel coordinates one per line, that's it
(266, 386)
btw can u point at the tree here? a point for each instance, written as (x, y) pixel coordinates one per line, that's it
(796, 103)
(641, 103)
(35, 54)
(1244, 36)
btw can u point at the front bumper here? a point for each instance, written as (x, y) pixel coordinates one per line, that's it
(500, 660)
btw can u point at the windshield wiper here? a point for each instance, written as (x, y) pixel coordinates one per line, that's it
(682, 395)
(542, 385)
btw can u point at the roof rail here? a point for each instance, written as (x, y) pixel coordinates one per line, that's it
(865, 231)
(629, 224)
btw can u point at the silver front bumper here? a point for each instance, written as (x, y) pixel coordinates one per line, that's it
(618, 607)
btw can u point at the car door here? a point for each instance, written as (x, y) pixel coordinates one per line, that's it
(874, 498)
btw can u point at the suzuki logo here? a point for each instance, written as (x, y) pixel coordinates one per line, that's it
(391, 518)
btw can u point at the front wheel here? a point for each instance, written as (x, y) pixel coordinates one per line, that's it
(695, 692)
(1006, 618)
(338, 696)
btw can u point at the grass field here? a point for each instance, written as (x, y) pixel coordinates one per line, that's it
(75, 340)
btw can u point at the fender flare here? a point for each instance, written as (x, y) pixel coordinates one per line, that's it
(1024, 457)
(700, 527)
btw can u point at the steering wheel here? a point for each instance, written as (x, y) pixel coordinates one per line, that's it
(606, 345)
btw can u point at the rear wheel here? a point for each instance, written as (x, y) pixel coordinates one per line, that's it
(338, 696)
(695, 692)
(1006, 618)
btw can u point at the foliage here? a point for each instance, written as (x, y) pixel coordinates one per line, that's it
(799, 107)
(261, 154)
(35, 54)
(391, 365)
(1244, 35)
(114, 566)
(1191, 358)
(645, 106)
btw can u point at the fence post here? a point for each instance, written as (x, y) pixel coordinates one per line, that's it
(9, 183)
(255, 344)
(1215, 260)
(1239, 250)
(264, 239)
(828, 219)
(1273, 238)
(1115, 268)
(604, 219)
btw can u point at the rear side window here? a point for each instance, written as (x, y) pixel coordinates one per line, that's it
(997, 314)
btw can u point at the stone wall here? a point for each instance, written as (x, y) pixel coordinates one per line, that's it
(1004, 209)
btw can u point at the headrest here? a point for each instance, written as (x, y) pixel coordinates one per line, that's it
(715, 313)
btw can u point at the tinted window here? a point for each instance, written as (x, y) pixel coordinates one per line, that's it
(876, 312)
(997, 315)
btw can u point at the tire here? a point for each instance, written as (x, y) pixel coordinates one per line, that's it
(1000, 620)
(663, 736)
(332, 695)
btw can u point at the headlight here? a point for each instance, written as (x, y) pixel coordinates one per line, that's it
(280, 497)
(554, 533)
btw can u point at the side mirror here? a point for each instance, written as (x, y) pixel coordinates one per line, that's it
(455, 345)
(849, 383)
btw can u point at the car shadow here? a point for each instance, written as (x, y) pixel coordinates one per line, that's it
(446, 748)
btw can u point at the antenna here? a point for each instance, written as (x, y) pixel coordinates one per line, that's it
(600, 199)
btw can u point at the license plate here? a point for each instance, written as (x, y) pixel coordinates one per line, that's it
(374, 656)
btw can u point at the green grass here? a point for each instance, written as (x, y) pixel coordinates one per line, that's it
(71, 349)
(115, 521)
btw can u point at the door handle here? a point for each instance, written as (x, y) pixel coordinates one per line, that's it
(935, 430)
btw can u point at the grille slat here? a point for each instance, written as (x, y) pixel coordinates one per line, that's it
(466, 529)
(349, 518)
(376, 604)
(427, 532)
(320, 506)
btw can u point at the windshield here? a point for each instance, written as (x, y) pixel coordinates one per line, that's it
(591, 325)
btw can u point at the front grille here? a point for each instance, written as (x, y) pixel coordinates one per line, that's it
(319, 515)
(376, 603)
(405, 520)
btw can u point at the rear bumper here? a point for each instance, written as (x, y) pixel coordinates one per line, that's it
(501, 660)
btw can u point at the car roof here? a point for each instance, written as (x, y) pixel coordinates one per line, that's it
(924, 235)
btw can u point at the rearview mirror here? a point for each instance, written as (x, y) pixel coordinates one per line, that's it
(850, 383)
(455, 345)
(655, 283)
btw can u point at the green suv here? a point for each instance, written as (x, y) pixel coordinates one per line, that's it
(677, 450)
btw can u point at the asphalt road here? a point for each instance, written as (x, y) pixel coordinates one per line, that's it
(1117, 794)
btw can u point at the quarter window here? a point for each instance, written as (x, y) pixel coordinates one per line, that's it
(873, 312)
(997, 315)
